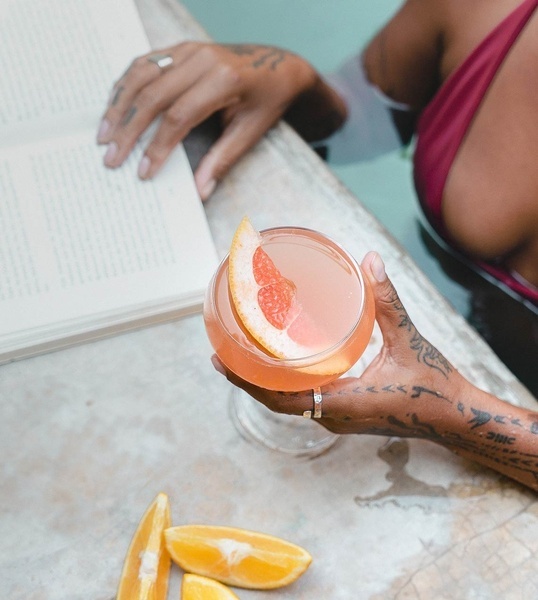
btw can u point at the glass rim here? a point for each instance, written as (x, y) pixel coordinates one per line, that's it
(311, 359)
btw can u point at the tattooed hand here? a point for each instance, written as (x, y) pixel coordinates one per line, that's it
(411, 390)
(250, 87)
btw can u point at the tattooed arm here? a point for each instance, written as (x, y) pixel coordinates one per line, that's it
(411, 390)
(250, 87)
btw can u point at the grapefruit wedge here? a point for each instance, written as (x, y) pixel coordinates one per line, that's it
(265, 301)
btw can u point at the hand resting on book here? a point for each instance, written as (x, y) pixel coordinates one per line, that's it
(251, 87)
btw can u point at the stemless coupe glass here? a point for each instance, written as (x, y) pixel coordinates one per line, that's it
(339, 303)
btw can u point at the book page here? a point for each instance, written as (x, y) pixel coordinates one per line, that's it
(58, 63)
(84, 248)
(80, 240)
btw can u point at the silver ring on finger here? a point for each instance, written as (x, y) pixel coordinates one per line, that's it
(163, 61)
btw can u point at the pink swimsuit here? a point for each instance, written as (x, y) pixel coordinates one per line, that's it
(444, 123)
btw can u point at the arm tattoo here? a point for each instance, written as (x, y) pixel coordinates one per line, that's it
(495, 447)
(482, 417)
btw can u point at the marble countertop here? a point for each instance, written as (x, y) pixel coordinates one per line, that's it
(89, 435)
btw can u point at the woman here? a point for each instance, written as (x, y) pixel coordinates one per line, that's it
(459, 74)
(482, 199)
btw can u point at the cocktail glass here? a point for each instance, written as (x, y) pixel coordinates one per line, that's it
(332, 289)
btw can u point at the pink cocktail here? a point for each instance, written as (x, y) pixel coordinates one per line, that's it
(334, 295)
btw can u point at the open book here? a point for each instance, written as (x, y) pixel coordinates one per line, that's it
(84, 251)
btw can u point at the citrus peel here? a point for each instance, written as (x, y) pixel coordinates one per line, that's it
(146, 568)
(236, 557)
(196, 587)
(265, 301)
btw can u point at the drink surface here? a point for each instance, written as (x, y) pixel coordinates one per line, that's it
(330, 289)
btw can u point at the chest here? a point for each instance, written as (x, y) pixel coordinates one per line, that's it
(491, 193)
(496, 160)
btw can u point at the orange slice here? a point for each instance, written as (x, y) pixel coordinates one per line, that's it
(236, 557)
(265, 301)
(146, 568)
(196, 587)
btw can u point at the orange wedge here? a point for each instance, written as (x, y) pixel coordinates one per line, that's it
(236, 557)
(264, 300)
(196, 587)
(146, 568)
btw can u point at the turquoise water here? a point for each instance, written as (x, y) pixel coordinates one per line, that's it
(325, 32)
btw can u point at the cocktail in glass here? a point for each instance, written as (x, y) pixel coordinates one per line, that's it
(338, 302)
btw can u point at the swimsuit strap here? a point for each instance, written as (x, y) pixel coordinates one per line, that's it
(446, 119)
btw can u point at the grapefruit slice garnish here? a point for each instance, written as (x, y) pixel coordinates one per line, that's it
(266, 302)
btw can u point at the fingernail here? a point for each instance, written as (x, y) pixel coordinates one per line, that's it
(104, 128)
(143, 167)
(377, 267)
(218, 365)
(110, 154)
(207, 189)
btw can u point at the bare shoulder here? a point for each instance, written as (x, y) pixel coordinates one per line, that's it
(424, 41)
(403, 58)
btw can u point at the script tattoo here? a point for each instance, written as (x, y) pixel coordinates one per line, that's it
(499, 438)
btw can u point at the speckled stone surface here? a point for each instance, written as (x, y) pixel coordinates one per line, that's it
(89, 435)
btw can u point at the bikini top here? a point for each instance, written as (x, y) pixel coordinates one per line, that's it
(445, 120)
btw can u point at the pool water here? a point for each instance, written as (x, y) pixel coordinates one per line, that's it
(326, 32)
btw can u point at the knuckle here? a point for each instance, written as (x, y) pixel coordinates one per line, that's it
(222, 166)
(189, 45)
(174, 118)
(388, 294)
(208, 52)
(138, 63)
(113, 115)
(158, 151)
(125, 139)
(229, 74)
(148, 98)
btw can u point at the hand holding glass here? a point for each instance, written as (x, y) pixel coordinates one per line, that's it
(338, 303)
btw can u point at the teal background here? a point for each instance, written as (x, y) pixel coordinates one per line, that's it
(325, 32)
